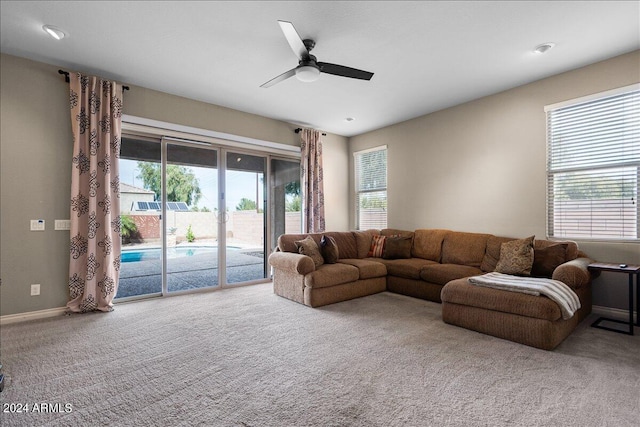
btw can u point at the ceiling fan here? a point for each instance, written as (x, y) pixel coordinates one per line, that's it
(309, 68)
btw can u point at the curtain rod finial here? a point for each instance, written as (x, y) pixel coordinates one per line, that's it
(66, 75)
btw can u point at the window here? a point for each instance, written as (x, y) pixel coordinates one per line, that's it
(593, 166)
(371, 188)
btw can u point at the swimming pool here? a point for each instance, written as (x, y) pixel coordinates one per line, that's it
(135, 255)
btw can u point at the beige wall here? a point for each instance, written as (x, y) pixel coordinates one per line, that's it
(481, 166)
(475, 167)
(35, 171)
(335, 162)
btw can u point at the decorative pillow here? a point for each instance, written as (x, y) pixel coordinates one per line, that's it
(397, 248)
(329, 249)
(377, 246)
(516, 257)
(546, 260)
(309, 247)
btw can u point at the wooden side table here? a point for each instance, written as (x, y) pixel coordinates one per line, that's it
(631, 270)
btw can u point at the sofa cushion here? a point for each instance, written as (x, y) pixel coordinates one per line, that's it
(492, 253)
(363, 242)
(345, 240)
(464, 293)
(377, 246)
(516, 257)
(397, 248)
(572, 247)
(408, 268)
(545, 260)
(441, 274)
(287, 242)
(394, 232)
(331, 275)
(427, 244)
(464, 248)
(329, 249)
(309, 247)
(368, 269)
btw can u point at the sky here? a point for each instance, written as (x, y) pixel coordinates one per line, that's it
(239, 184)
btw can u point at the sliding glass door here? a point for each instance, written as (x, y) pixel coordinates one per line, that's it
(141, 218)
(191, 224)
(245, 226)
(199, 216)
(286, 201)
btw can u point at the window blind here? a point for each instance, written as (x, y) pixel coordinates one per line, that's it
(593, 167)
(371, 188)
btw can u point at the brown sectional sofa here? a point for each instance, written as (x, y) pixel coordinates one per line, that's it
(437, 269)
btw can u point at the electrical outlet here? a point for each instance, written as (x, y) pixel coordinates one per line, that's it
(62, 224)
(37, 225)
(35, 290)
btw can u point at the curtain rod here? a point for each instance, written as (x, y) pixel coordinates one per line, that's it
(66, 78)
(300, 129)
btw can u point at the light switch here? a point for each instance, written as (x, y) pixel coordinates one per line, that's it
(37, 225)
(62, 224)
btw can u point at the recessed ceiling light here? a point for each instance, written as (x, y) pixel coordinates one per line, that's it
(54, 32)
(544, 47)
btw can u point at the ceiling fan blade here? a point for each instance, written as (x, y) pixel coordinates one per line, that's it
(341, 70)
(280, 78)
(294, 39)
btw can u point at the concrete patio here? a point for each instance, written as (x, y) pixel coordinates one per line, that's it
(189, 272)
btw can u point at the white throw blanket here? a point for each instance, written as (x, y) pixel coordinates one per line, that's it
(562, 294)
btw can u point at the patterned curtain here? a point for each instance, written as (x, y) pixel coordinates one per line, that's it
(312, 181)
(96, 118)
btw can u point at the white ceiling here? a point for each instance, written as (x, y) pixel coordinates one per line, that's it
(426, 56)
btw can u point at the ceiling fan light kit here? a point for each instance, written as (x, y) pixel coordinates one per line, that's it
(309, 69)
(307, 73)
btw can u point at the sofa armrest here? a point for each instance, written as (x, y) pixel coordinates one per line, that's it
(296, 263)
(574, 274)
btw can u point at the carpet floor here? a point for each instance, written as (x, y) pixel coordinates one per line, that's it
(246, 357)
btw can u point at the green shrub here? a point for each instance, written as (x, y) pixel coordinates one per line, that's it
(190, 236)
(127, 226)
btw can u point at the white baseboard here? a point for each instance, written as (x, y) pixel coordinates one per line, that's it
(613, 313)
(32, 315)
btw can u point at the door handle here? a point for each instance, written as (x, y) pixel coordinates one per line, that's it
(222, 219)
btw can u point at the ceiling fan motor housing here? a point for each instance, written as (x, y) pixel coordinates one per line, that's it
(310, 61)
